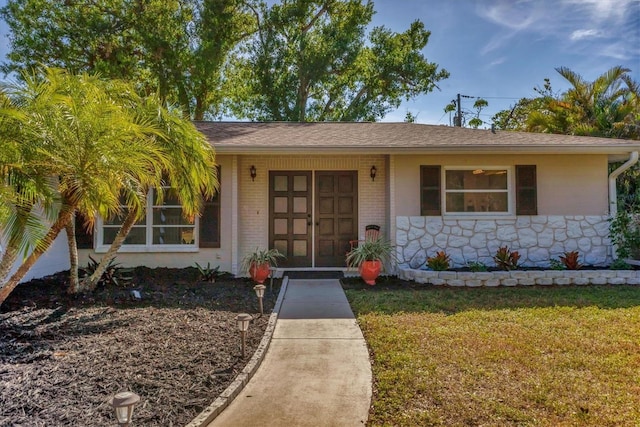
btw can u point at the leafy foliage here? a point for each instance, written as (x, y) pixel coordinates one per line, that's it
(625, 234)
(176, 47)
(209, 274)
(505, 259)
(113, 274)
(371, 250)
(571, 260)
(310, 61)
(439, 262)
(476, 266)
(261, 256)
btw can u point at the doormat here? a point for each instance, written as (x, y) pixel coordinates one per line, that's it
(311, 275)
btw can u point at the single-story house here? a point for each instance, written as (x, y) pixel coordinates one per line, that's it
(307, 189)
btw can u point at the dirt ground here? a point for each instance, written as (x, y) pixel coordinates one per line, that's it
(63, 357)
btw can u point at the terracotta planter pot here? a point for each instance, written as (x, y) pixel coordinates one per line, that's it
(259, 273)
(369, 271)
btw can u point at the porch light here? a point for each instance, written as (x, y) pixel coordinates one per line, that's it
(242, 321)
(253, 171)
(373, 172)
(260, 294)
(123, 404)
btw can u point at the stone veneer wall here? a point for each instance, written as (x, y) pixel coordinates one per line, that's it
(538, 239)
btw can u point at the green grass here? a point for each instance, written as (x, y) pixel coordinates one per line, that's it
(557, 356)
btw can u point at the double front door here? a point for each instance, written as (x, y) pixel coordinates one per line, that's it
(313, 216)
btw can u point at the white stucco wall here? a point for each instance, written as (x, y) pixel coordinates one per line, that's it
(52, 261)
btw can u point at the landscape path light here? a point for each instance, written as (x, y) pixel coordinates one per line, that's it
(260, 294)
(123, 404)
(242, 321)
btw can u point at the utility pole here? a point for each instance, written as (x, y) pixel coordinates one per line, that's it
(458, 118)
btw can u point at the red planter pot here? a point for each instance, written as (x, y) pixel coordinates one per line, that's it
(259, 273)
(369, 271)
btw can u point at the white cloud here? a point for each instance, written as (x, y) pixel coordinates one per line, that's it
(585, 34)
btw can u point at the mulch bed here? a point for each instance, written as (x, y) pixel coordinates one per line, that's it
(63, 357)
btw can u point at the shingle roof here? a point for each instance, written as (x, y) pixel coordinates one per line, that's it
(248, 137)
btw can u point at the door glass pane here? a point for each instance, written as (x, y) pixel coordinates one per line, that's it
(280, 183)
(300, 205)
(280, 226)
(280, 205)
(299, 248)
(281, 246)
(300, 183)
(299, 226)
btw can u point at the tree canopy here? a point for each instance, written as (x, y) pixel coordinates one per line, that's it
(312, 61)
(609, 106)
(175, 48)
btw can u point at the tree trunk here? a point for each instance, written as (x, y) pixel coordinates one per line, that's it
(64, 217)
(8, 259)
(74, 283)
(90, 283)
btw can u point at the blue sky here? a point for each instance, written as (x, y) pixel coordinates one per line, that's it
(501, 49)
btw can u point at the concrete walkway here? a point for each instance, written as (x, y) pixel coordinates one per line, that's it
(316, 371)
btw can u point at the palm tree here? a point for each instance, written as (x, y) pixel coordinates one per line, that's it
(21, 188)
(191, 173)
(607, 107)
(90, 142)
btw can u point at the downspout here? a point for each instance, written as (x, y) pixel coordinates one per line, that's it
(613, 195)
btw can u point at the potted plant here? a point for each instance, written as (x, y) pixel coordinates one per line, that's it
(259, 262)
(369, 256)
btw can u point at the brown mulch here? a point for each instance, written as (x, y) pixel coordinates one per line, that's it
(63, 357)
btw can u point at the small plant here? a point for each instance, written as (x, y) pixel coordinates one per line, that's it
(439, 262)
(260, 257)
(556, 264)
(570, 260)
(505, 259)
(619, 264)
(208, 274)
(370, 250)
(113, 274)
(476, 266)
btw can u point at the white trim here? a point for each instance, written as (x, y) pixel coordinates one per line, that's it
(478, 214)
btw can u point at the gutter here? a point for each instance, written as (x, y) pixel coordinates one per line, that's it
(613, 195)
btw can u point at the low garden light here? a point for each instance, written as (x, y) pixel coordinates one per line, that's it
(260, 294)
(123, 404)
(242, 321)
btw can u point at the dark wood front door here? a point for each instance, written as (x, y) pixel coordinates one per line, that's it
(290, 216)
(336, 216)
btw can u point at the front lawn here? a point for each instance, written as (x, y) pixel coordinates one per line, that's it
(501, 356)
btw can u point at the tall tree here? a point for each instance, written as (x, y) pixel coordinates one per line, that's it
(174, 47)
(105, 144)
(310, 61)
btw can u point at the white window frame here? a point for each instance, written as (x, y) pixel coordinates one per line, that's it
(149, 246)
(510, 192)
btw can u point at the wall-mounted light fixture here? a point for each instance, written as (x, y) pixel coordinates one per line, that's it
(253, 172)
(373, 172)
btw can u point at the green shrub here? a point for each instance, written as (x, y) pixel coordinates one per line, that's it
(476, 266)
(439, 262)
(505, 259)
